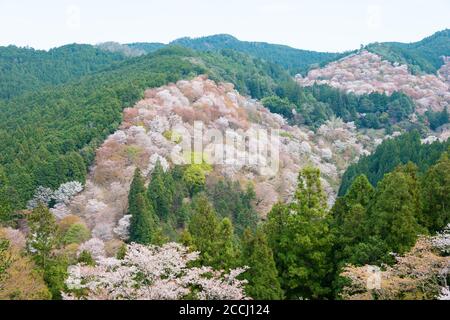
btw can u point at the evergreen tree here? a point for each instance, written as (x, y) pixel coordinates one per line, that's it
(262, 277)
(436, 195)
(203, 230)
(349, 217)
(301, 240)
(159, 192)
(394, 213)
(227, 251)
(142, 224)
(42, 237)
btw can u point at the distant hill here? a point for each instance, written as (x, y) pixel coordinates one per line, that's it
(146, 47)
(424, 56)
(294, 60)
(24, 69)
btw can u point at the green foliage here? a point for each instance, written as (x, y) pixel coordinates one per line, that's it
(300, 238)
(349, 218)
(42, 238)
(390, 154)
(437, 119)
(143, 220)
(195, 178)
(55, 274)
(395, 213)
(214, 239)
(203, 226)
(25, 69)
(374, 110)
(77, 233)
(86, 258)
(262, 277)
(159, 192)
(436, 195)
(293, 60)
(229, 200)
(423, 56)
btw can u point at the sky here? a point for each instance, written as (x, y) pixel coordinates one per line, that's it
(321, 25)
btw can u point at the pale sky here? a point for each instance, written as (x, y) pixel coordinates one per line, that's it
(322, 25)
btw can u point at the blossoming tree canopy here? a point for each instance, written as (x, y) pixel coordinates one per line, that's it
(152, 272)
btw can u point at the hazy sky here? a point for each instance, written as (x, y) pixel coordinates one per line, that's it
(325, 25)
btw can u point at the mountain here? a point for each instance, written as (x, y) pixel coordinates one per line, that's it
(61, 126)
(168, 111)
(24, 69)
(294, 60)
(366, 72)
(424, 56)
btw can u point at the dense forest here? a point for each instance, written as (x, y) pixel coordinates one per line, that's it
(293, 60)
(424, 56)
(391, 153)
(25, 69)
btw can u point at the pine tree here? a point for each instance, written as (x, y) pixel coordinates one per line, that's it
(142, 224)
(262, 277)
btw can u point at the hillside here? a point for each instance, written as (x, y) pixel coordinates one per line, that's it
(142, 140)
(393, 152)
(366, 72)
(293, 60)
(61, 127)
(25, 69)
(424, 56)
(211, 169)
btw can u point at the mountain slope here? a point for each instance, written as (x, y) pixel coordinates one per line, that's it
(23, 69)
(367, 72)
(423, 56)
(294, 60)
(49, 136)
(144, 138)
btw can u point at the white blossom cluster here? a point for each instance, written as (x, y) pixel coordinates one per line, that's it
(367, 72)
(123, 228)
(62, 195)
(151, 272)
(445, 294)
(66, 191)
(95, 247)
(442, 240)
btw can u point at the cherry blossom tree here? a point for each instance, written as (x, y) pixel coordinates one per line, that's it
(95, 247)
(152, 272)
(123, 227)
(66, 191)
(42, 195)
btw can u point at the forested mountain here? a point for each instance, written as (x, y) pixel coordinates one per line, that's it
(50, 136)
(293, 60)
(423, 56)
(25, 69)
(391, 153)
(90, 136)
